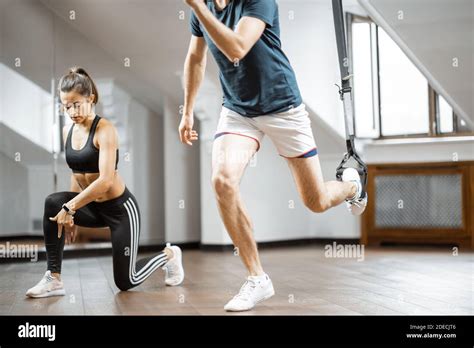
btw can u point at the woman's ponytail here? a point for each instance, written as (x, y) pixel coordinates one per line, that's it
(79, 81)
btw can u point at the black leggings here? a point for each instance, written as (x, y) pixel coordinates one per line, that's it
(121, 214)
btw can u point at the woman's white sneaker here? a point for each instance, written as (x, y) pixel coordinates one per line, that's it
(357, 204)
(48, 286)
(174, 272)
(256, 289)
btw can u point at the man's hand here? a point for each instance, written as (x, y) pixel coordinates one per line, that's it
(193, 3)
(186, 132)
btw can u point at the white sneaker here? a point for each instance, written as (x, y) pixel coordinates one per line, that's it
(174, 272)
(357, 204)
(256, 289)
(48, 286)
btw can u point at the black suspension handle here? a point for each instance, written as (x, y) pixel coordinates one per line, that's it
(362, 167)
(344, 89)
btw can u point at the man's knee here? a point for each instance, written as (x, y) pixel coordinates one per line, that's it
(224, 184)
(317, 204)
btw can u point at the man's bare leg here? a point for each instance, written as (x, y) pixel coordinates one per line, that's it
(316, 194)
(230, 156)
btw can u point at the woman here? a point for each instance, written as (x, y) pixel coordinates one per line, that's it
(98, 197)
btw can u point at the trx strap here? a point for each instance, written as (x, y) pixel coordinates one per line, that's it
(344, 89)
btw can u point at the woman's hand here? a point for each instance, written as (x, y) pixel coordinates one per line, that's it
(63, 219)
(71, 233)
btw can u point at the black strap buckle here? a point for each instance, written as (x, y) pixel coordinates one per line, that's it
(343, 90)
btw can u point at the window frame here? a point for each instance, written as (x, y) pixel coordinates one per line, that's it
(433, 101)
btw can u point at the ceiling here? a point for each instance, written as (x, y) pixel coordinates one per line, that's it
(153, 34)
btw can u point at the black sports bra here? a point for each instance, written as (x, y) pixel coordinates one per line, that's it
(85, 160)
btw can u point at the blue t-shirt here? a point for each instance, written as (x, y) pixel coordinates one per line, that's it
(263, 82)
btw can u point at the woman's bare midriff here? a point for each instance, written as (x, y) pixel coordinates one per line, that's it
(116, 190)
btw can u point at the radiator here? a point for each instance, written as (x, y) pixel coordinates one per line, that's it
(418, 201)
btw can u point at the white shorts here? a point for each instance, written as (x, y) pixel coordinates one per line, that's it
(290, 131)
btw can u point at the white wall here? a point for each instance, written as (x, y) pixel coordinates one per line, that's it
(313, 56)
(146, 138)
(182, 188)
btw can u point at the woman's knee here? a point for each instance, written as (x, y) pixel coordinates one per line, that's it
(122, 283)
(53, 203)
(121, 267)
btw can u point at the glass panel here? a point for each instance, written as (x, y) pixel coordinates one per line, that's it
(26, 116)
(403, 91)
(445, 116)
(32, 119)
(366, 121)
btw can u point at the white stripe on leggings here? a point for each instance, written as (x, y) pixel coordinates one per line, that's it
(136, 277)
(135, 244)
(153, 264)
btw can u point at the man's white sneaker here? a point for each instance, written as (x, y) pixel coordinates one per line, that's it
(48, 286)
(174, 272)
(357, 204)
(256, 289)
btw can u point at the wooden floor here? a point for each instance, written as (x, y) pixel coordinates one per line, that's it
(388, 281)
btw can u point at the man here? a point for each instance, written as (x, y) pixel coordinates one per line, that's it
(261, 96)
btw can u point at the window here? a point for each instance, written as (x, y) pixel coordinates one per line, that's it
(391, 97)
(444, 116)
(403, 91)
(363, 60)
(26, 108)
